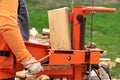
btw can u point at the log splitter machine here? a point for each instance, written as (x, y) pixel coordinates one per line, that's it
(80, 59)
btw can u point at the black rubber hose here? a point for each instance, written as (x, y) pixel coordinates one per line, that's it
(97, 74)
(107, 72)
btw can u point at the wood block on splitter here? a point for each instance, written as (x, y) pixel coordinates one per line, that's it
(59, 29)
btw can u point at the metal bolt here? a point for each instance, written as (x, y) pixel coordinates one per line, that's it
(69, 58)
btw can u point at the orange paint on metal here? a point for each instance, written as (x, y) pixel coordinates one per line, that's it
(58, 73)
(94, 57)
(37, 50)
(79, 72)
(98, 9)
(67, 57)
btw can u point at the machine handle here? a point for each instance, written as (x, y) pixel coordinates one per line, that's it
(98, 9)
(47, 56)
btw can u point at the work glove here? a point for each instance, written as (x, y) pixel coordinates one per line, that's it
(33, 68)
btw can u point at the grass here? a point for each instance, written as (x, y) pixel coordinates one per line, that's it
(106, 27)
(106, 31)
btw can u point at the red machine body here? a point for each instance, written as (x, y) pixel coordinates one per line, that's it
(77, 59)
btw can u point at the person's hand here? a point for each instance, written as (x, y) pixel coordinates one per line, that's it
(33, 68)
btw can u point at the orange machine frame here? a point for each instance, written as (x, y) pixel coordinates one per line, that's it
(79, 58)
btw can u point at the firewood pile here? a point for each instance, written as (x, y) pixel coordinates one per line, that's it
(42, 38)
(22, 75)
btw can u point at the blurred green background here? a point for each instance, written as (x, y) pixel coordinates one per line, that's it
(106, 30)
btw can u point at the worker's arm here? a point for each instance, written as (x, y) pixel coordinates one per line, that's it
(10, 30)
(11, 33)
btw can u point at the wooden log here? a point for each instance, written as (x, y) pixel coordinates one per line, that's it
(24, 75)
(59, 29)
(21, 74)
(117, 60)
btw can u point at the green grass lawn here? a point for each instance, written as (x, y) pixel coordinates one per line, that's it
(106, 34)
(106, 27)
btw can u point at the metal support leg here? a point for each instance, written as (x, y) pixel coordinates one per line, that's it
(78, 72)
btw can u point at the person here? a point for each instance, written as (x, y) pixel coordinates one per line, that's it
(14, 25)
(23, 20)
